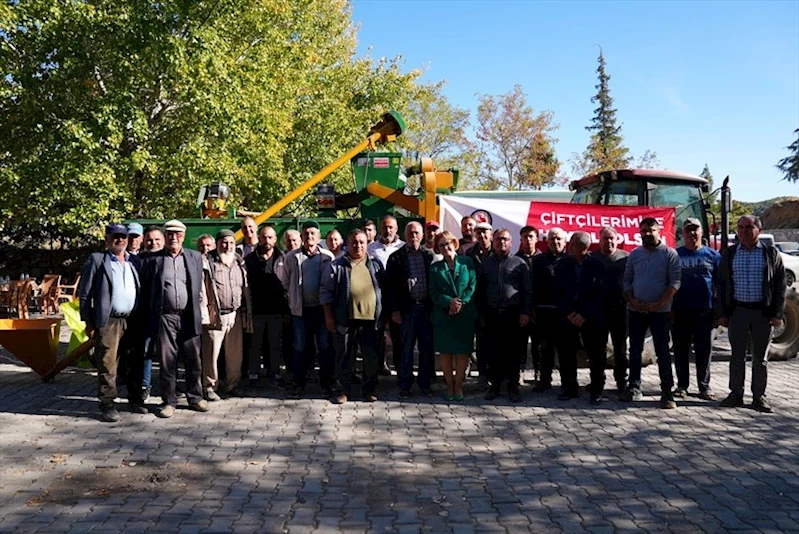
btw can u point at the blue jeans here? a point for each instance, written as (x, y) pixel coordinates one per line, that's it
(416, 328)
(658, 324)
(148, 365)
(310, 325)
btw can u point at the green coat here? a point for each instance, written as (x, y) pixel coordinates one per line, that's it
(453, 334)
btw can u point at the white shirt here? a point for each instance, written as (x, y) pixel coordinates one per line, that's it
(381, 252)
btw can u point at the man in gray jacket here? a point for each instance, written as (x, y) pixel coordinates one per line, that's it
(351, 297)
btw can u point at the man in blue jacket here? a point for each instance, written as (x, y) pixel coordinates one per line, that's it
(109, 294)
(351, 297)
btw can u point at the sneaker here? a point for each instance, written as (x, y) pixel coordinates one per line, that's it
(145, 393)
(707, 395)
(200, 406)
(515, 395)
(680, 393)
(762, 405)
(492, 394)
(109, 413)
(138, 407)
(733, 400)
(667, 402)
(165, 411)
(595, 400)
(340, 399)
(211, 396)
(632, 395)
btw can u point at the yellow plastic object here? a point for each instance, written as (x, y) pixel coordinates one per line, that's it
(33, 341)
(71, 311)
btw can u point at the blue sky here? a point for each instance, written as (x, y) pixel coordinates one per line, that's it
(697, 82)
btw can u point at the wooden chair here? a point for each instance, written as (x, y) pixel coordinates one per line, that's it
(68, 292)
(47, 299)
(21, 293)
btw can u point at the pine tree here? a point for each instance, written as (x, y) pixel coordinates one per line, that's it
(606, 150)
(790, 164)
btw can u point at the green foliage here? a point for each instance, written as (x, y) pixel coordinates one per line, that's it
(789, 165)
(124, 109)
(516, 146)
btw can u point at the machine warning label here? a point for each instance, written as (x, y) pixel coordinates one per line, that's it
(380, 163)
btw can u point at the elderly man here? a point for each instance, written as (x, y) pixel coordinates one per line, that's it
(651, 279)
(231, 292)
(302, 279)
(579, 292)
(614, 261)
(381, 249)
(693, 309)
(109, 294)
(528, 239)
(135, 238)
(370, 228)
(335, 243)
(751, 303)
(172, 282)
(545, 305)
(292, 240)
(270, 307)
(205, 244)
(504, 291)
(352, 299)
(468, 239)
(249, 241)
(407, 273)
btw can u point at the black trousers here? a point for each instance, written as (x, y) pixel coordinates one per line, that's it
(616, 319)
(548, 325)
(173, 342)
(531, 333)
(567, 342)
(507, 342)
(396, 344)
(358, 333)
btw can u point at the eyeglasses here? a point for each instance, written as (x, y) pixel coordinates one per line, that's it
(502, 239)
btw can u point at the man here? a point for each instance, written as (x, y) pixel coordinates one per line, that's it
(544, 304)
(291, 240)
(153, 240)
(528, 239)
(751, 299)
(468, 238)
(302, 278)
(504, 302)
(614, 261)
(231, 292)
(172, 282)
(205, 244)
(407, 273)
(693, 309)
(135, 238)
(352, 300)
(370, 228)
(109, 294)
(249, 241)
(651, 278)
(479, 249)
(381, 249)
(335, 243)
(270, 307)
(431, 231)
(579, 292)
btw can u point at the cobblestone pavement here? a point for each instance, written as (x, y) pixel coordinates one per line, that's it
(266, 464)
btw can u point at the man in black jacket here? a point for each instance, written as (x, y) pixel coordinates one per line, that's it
(479, 250)
(270, 307)
(408, 272)
(528, 239)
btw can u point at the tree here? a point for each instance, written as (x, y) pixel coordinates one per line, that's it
(124, 109)
(789, 165)
(649, 160)
(515, 144)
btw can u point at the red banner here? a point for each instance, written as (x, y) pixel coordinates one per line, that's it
(592, 218)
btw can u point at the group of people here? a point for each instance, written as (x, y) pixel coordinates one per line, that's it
(148, 297)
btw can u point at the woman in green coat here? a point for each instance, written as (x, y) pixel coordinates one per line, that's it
(452, 285)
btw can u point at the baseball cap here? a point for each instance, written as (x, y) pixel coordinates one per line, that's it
(135, 229)
(691, 221)
(483, 226)
(113, 229)
(174, 226)
(224, 233)
(432, 224)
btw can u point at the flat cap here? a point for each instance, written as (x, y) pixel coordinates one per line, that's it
(224, 233)
(174, 226)
(113, 229)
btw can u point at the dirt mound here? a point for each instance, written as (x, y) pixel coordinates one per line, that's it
(782, 214)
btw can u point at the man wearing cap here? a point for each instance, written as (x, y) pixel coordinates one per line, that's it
(109, 293)
(231, 292)
(135, 238)
(431, 231)
(468, 239)
(302, 278)
(478, 251)
(381, 248)
(172, 291)
(693, 310)
(249, 241)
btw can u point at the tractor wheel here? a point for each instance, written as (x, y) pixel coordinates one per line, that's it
(785, 343)
(789, 278)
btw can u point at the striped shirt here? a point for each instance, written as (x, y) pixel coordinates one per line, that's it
(748, 270)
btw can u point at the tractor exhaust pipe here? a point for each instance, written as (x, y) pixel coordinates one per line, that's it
(726, 208)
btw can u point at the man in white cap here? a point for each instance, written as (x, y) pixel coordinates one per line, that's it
(480, 250)
(172, 281)
(135, 238)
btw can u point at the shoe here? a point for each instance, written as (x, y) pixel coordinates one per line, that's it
(707, 395)
(482, 383)
(427, 392)
(370, 397)
(632, 395)
(595, 400)
(138, 407)
(404, 394)
(109, 413)
(567, 395)
(458, 398)
(165, 411)
(200, 406)
(276, 381)
(145, 393)
(762, 405)
(237, 391)
(341, 398)
(667, 402)
(680, 393)
(449, 398)
(492, 394)
(295, 393)
(733, 400)
(542, 386)
(515, 396)
(211, 396)
(621, 387)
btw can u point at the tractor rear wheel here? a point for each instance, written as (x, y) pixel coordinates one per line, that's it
(785, 343)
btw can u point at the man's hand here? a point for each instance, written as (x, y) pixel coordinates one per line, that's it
(723, 322)
(776, 322)
(396, 317)
(639, 306)
(330, 323)
(524, 320)
(90, 331)
(578, 320)
(286, 319)
(570, 317)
